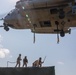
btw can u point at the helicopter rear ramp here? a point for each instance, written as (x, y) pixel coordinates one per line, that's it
(28, 71)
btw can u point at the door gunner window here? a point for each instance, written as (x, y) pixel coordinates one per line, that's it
(45, 23)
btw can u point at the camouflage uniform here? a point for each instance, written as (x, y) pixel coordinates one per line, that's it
(25, 61)
(18, 61)
(37, 63)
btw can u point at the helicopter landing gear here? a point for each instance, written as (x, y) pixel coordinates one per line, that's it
(6, 27)
(62, 33)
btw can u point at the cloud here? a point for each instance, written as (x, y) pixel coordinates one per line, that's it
(61, 63)
(4, 52)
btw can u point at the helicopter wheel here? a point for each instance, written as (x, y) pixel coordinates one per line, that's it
(62, 33)
(6, 28)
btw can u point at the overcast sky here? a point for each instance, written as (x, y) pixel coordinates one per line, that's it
(14, 42)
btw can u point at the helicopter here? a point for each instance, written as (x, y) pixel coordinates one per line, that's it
(42, 16)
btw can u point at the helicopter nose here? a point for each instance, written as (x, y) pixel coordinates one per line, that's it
(7, 17)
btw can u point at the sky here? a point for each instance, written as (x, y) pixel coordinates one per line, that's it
(15, 42)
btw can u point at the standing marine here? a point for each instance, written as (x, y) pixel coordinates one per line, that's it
(25, 61)
(18, 63)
